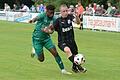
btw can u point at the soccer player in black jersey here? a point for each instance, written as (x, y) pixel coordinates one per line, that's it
(66, 41)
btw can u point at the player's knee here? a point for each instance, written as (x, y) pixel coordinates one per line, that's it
(55, 54)
(67, 50)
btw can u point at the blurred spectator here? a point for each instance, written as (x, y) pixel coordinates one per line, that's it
(76, 9)
(42, 8)
(98, 10)
(38, 8)
(24, 8)
(86, 10)
(80, 9)
(71, 9)
(6, 7)
(102, 9)
(33, 9)
(117, 12)
(75, 12)
(91, 10)
(109, 9)
(113, 11)
(15, 7)
(95, 6)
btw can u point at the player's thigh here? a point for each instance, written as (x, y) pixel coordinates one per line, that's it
(48, 44)
(62, 46)
(73, 47)
(38, 46)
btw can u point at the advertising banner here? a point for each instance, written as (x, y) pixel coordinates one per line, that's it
(101, 23)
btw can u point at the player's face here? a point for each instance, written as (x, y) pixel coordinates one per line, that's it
(64, 11)
(50, 13)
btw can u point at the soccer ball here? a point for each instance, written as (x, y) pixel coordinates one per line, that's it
(79, 59)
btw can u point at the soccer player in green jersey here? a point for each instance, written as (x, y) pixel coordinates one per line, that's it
(41, 36)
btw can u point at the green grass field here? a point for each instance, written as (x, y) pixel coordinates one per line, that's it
(101, 49)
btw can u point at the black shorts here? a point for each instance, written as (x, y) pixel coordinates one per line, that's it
(71, 44)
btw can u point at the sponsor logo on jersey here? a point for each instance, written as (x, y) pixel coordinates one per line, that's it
(69, 21)
(66, 29)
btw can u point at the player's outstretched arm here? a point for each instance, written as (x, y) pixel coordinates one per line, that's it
(77, 19)
(33, 20)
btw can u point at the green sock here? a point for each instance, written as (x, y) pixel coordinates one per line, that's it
(59, 62)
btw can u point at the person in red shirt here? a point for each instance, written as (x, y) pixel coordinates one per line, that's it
(80, 9)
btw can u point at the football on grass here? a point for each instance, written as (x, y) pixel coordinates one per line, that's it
(79, 59)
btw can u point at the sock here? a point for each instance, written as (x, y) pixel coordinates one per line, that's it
(71, 58)
(74, 66)
(59, 62)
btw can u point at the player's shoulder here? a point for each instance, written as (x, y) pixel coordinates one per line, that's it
(59, 19)
(43, 14)
(70, 16)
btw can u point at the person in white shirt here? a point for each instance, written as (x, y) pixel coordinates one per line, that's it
(24, 8)
(6, 7)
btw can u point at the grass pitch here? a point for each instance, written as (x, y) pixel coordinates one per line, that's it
(101, 49)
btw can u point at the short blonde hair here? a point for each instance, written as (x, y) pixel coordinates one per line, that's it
(63, 5)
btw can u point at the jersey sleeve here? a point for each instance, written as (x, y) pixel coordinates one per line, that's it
(56, 24)
(40, 16)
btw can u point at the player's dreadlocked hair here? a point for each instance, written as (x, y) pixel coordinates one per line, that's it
(50, 7)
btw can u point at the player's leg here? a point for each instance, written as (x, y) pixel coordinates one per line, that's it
(58, 60)
(38, 47)
(74, 50)
(51, 47)
(65, 47)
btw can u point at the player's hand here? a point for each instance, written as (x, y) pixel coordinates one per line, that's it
(47, 30)
(51, 27)
(44, 29)
(30, 21)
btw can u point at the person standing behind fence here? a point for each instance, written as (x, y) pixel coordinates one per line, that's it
(15, 7)
(24, 8)
(109, 9)
(6, 7)
(79, 11)
(42, 8)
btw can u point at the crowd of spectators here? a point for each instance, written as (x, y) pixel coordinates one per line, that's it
(95, 10)
(91, 9)
(25, 8)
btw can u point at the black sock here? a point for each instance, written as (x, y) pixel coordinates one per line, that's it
(71, 58)
(74, 66)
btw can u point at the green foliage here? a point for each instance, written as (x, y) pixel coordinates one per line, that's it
(67, 2)
(118, 5)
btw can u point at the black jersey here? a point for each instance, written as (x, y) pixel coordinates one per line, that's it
(64, 28)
